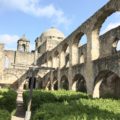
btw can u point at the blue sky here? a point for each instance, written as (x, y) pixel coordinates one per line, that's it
(32, 17)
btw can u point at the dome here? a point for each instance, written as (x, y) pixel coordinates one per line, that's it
(53, 32)
(23, 38)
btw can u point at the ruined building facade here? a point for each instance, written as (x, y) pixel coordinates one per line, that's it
(93, 68)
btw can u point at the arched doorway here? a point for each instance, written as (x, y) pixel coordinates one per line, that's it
(64, 84)
(79, 83)
(107, 84)
(30, 82)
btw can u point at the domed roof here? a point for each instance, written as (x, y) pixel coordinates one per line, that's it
(53, 32)
(23, 38)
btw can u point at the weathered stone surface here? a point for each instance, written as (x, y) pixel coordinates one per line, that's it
(69, 59)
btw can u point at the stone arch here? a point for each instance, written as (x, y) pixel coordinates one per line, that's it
(56, 59)
(75, 46)
(79, 83)
(50, 61)
(22, 48)
(106, 84)
(100, 19)
(64, 56)
(64, 83)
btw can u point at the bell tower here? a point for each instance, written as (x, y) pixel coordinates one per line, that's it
(23, 44)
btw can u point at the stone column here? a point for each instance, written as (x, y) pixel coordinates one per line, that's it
(58, 78)
(62, 59)
(74, 54)
(92, 54)
(70, 77)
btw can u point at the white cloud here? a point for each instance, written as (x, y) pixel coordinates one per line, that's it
(110, 26)
(10, 41)
(33, 7)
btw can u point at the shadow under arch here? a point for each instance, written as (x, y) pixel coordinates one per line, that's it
(55, 83)
(64, 83)
(30, 82)
(106, 84)
(79, 83)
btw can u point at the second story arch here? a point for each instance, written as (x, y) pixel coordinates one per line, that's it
(78, 41)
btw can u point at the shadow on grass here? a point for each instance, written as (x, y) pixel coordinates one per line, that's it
(73, 111)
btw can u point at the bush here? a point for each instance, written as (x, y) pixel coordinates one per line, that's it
(82, 109)
(69, 105)
(4, 115)
(8, 100)
(41, 97)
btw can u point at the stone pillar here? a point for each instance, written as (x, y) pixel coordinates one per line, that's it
(51, 80)
(62, 59)
(70, 77)
(92, 54)
(74, 54)
(58, 78)
(1, 61)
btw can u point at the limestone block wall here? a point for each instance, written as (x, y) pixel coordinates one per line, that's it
(24, 58)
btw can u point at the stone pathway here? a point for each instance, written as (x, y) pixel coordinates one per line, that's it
(20, 112)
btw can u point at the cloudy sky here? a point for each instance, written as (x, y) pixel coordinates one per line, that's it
(32, 17)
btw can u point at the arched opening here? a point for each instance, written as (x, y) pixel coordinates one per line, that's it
(82, 59)
(56, 59)
(79, 40)
(107, 84)
(22, 48)
(101, 26)
(110, 22)
(82, 40)
(116, 45)
(50, 62)
(7, 62)
(64, 56)
(34, 82)
(64, 84)
(79, 83)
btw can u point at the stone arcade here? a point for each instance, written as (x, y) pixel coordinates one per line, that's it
(93, 68)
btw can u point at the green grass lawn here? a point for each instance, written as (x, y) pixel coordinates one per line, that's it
(69, 105)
